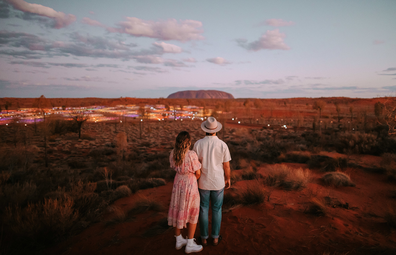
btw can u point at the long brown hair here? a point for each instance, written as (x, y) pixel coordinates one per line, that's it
(182, 144)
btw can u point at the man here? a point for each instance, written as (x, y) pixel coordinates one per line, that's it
(215, 176)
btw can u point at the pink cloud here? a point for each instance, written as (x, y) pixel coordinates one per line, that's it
(218, 61)
(92, 22)
(61, 19)
(271, 40)
(168, 48)
(149, 59)
(171, 29)
(278, 23)
(191, 60)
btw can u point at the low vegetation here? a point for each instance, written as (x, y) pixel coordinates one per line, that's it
(287, 178)
(337, 179)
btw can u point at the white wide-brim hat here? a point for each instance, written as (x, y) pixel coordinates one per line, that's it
(211, 125)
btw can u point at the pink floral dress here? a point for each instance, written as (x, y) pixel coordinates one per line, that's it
(184, 205)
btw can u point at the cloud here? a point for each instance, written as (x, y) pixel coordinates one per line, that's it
(174, 63)
(277, 23)
(28, 41)
(190, 60)
(334, 88)
(149, 59)
(376, 42)
(85, 78)
(4, 10)
(148, 68)
(168, 48)
(171, 29)
(392, 88)
(315, 78)
(263, 82)
(98, 42)
(60, 19)
(390, 69)
(271, 40)
(92, 22)
(218, 61)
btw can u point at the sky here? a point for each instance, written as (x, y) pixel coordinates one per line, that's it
(152, 48)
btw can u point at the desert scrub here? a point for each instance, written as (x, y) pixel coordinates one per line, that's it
(138, 184)
(254, 193)
(146, 204)
(46, 220)
(337, 179)
(122, 191)
(250, 174)
(357, 142)
(235, 177)
(316, 206)
(287, 178)
(18, 194)
(327, 164)
(295, 157)
(12, 158)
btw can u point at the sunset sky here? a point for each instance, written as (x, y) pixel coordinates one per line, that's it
(152, 48)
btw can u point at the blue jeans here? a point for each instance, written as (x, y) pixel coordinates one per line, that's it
(216, 199)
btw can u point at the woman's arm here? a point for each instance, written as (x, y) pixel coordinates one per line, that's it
(198, 173)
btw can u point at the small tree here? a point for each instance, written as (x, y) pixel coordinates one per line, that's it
(338, 110)
(319, 105)
(351, 111)
(379, 110)
(80, 118)
(389, 117)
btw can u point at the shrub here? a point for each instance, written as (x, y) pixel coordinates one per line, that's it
(337, 179)
(357, 142)
(296, 157)
(122, 191)
(138, 184)
(235, 177)
(118, 215)
(44, 221)
(76, 163)
(287, 178)
(326, 164)
(249, 174)
(16, 194)
(146, 204)
(254, 193)
(316, 207)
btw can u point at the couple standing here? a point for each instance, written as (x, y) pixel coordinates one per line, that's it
(208, 163)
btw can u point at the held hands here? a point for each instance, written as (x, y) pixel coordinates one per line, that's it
(227, 184)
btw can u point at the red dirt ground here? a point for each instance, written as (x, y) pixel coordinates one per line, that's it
(279, 226)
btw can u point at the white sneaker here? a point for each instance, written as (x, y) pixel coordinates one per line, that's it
(192, 246)
(180, 242)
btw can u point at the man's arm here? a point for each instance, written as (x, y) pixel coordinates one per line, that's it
(227, 173)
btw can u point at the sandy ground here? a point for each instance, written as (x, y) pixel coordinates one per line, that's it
(277, 226)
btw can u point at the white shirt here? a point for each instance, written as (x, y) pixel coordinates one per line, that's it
(212, 152)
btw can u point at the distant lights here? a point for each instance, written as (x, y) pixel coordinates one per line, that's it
(239, 122)
(141, 119)
(232, 118)
(268, 124)
(120, 121)
(6, 124)
(25, 125)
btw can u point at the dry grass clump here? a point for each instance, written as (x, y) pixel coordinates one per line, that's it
(295, 157)
(287, 178)
(327, 164)
(18, 194)
(337, 179)
(235, 177)
(250, 174)
(118, 215)
(138, 184)
(49, 219)
(146, 204)
(254, 193)
(316, 207)
(122, 191)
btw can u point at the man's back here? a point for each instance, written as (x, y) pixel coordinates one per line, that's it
(212, 152)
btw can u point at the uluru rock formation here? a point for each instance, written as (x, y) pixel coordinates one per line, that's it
(206, 94)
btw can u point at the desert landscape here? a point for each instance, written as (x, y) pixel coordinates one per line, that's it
(309, 176)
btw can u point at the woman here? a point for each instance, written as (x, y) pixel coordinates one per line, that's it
(184, 205)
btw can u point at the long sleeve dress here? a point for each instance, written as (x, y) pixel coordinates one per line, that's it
(184, 205)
